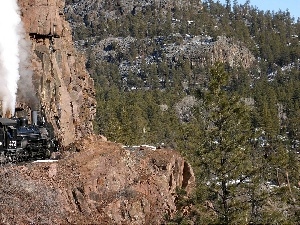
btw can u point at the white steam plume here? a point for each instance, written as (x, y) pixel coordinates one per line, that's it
(11, 40)
(26, 90)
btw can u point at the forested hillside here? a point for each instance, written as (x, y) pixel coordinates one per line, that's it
(220, 83)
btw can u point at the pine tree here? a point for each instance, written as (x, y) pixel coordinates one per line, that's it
(225, 153)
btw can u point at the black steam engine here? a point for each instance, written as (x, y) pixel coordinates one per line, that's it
(21, 141)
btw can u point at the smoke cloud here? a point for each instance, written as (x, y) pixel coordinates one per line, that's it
(26, 91)
(14, 56)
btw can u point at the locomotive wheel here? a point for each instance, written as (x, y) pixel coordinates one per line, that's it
(47, 154)
(25, 155)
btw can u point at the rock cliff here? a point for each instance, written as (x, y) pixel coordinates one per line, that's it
(64, 88)
(101, 183)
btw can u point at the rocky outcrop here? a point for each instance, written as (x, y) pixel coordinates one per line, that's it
(102, 183)
(204, 51)
(232, 52)
(65, 89)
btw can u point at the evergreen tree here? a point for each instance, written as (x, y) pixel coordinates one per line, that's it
(225, 152)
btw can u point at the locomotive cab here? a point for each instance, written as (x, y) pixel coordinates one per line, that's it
(11, 140)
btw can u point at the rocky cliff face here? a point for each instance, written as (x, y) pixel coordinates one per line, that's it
(102, 183)
(65, 90)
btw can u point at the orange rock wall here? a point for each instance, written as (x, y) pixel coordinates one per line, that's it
(64, 87)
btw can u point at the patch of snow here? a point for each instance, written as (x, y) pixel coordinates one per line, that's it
(45, 161)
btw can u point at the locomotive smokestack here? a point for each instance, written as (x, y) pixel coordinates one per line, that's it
(34, 114)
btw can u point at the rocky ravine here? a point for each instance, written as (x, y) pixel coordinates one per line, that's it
(99, 183)
(95, 181)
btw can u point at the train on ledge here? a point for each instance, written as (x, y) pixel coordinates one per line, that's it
(21, 141)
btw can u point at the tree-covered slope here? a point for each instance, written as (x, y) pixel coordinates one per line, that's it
(167, 46)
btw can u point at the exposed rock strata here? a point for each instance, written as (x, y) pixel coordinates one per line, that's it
(103, 183)
(222, 50)
(201, 50)
(65, 90)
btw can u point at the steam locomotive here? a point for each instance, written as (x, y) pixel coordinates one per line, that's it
(21, 141)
